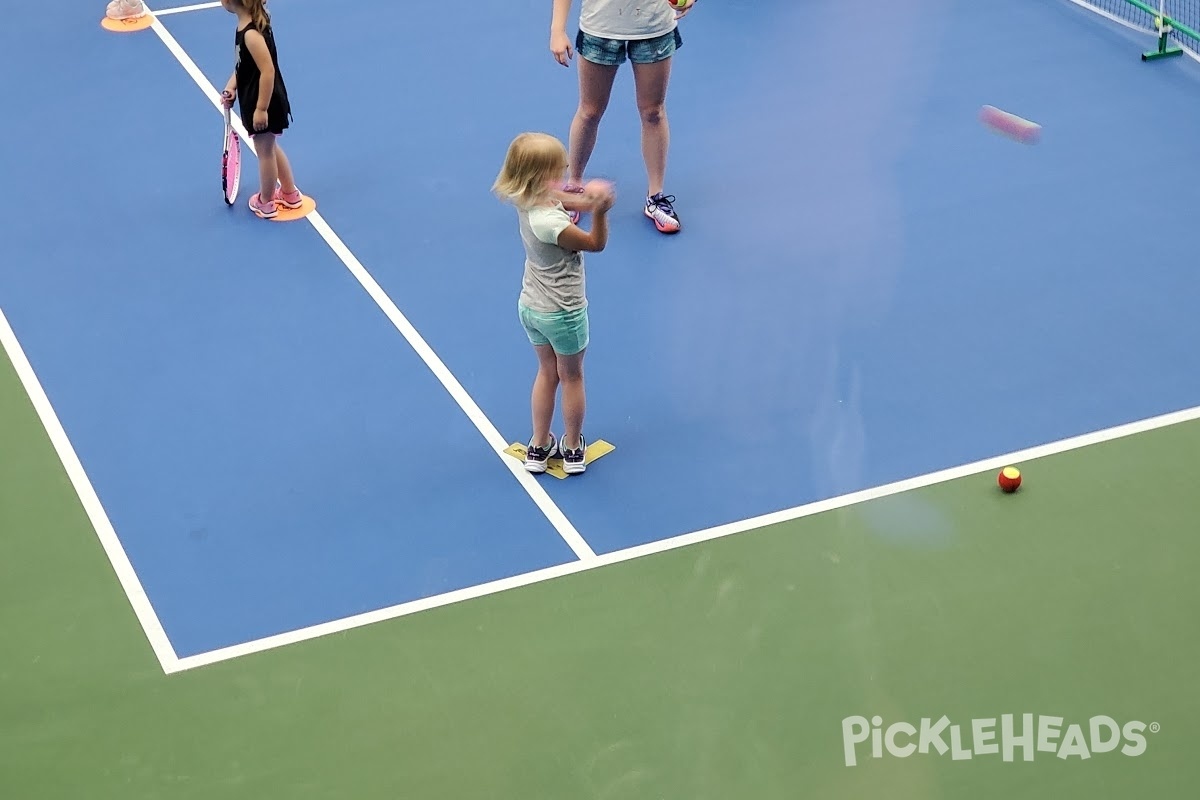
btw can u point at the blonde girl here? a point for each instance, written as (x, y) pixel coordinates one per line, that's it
(553, 303)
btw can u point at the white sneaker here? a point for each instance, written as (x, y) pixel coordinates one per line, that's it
(574, 461)
(125, 9)
(660, 209)
(538, 458)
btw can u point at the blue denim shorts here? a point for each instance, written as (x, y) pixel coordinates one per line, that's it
(612, 52)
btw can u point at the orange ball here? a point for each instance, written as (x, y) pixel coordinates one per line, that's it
(1009, 479)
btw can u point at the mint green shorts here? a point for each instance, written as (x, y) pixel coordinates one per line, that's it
(566, 331)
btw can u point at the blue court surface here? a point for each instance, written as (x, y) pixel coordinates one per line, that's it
(869, 285)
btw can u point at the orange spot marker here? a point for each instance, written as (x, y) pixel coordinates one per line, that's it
(292, 214)
(127, 25)
(1009, 479)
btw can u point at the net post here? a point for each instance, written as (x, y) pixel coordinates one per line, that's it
(1163, 24)
(1165, 49)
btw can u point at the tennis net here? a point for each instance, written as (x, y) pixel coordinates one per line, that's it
(1181, 19)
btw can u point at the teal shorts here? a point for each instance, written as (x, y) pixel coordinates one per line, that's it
(565, 331)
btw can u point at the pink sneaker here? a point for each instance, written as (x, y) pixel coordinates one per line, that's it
(292, 199)
(264, 210)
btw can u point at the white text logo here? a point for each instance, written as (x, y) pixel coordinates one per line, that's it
(1028, 734)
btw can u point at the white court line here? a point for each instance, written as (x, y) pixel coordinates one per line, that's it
(742, 526)
(489, 431)
(89, 499)
(183, 9)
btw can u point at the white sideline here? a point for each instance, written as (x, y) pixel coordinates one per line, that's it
(468, 405)
(89, 499)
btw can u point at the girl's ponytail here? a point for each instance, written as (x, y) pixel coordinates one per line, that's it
(258, 12)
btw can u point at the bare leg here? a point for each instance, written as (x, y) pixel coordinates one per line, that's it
(595, 89)
(650, 81)
(570, 373)
(545, 387)
(284, 168)
(268, 166)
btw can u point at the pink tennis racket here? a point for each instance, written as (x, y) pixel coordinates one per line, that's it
(231, 161)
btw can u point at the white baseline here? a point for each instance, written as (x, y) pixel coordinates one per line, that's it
(685, 540)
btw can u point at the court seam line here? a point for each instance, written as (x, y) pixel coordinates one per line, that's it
(184, 9)
(541, 498)
(135, 593)
(685, 540)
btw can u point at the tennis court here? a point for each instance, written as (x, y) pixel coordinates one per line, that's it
(260, 534)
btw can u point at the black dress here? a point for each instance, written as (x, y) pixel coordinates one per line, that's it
(279, 111)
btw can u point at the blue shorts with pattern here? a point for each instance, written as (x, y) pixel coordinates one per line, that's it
(612, 52)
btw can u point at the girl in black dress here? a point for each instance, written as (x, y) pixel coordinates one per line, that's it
(262, 98)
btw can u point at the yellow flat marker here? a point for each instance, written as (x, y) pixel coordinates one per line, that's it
(595, 450)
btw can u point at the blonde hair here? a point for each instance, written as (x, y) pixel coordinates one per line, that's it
(532, 162)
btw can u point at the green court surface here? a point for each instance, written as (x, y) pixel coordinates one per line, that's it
(721, 670)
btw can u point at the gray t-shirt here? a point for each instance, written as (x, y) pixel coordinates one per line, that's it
(553, 275)
(626, 19)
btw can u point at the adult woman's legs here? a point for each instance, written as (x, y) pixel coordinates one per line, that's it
(595, 89)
